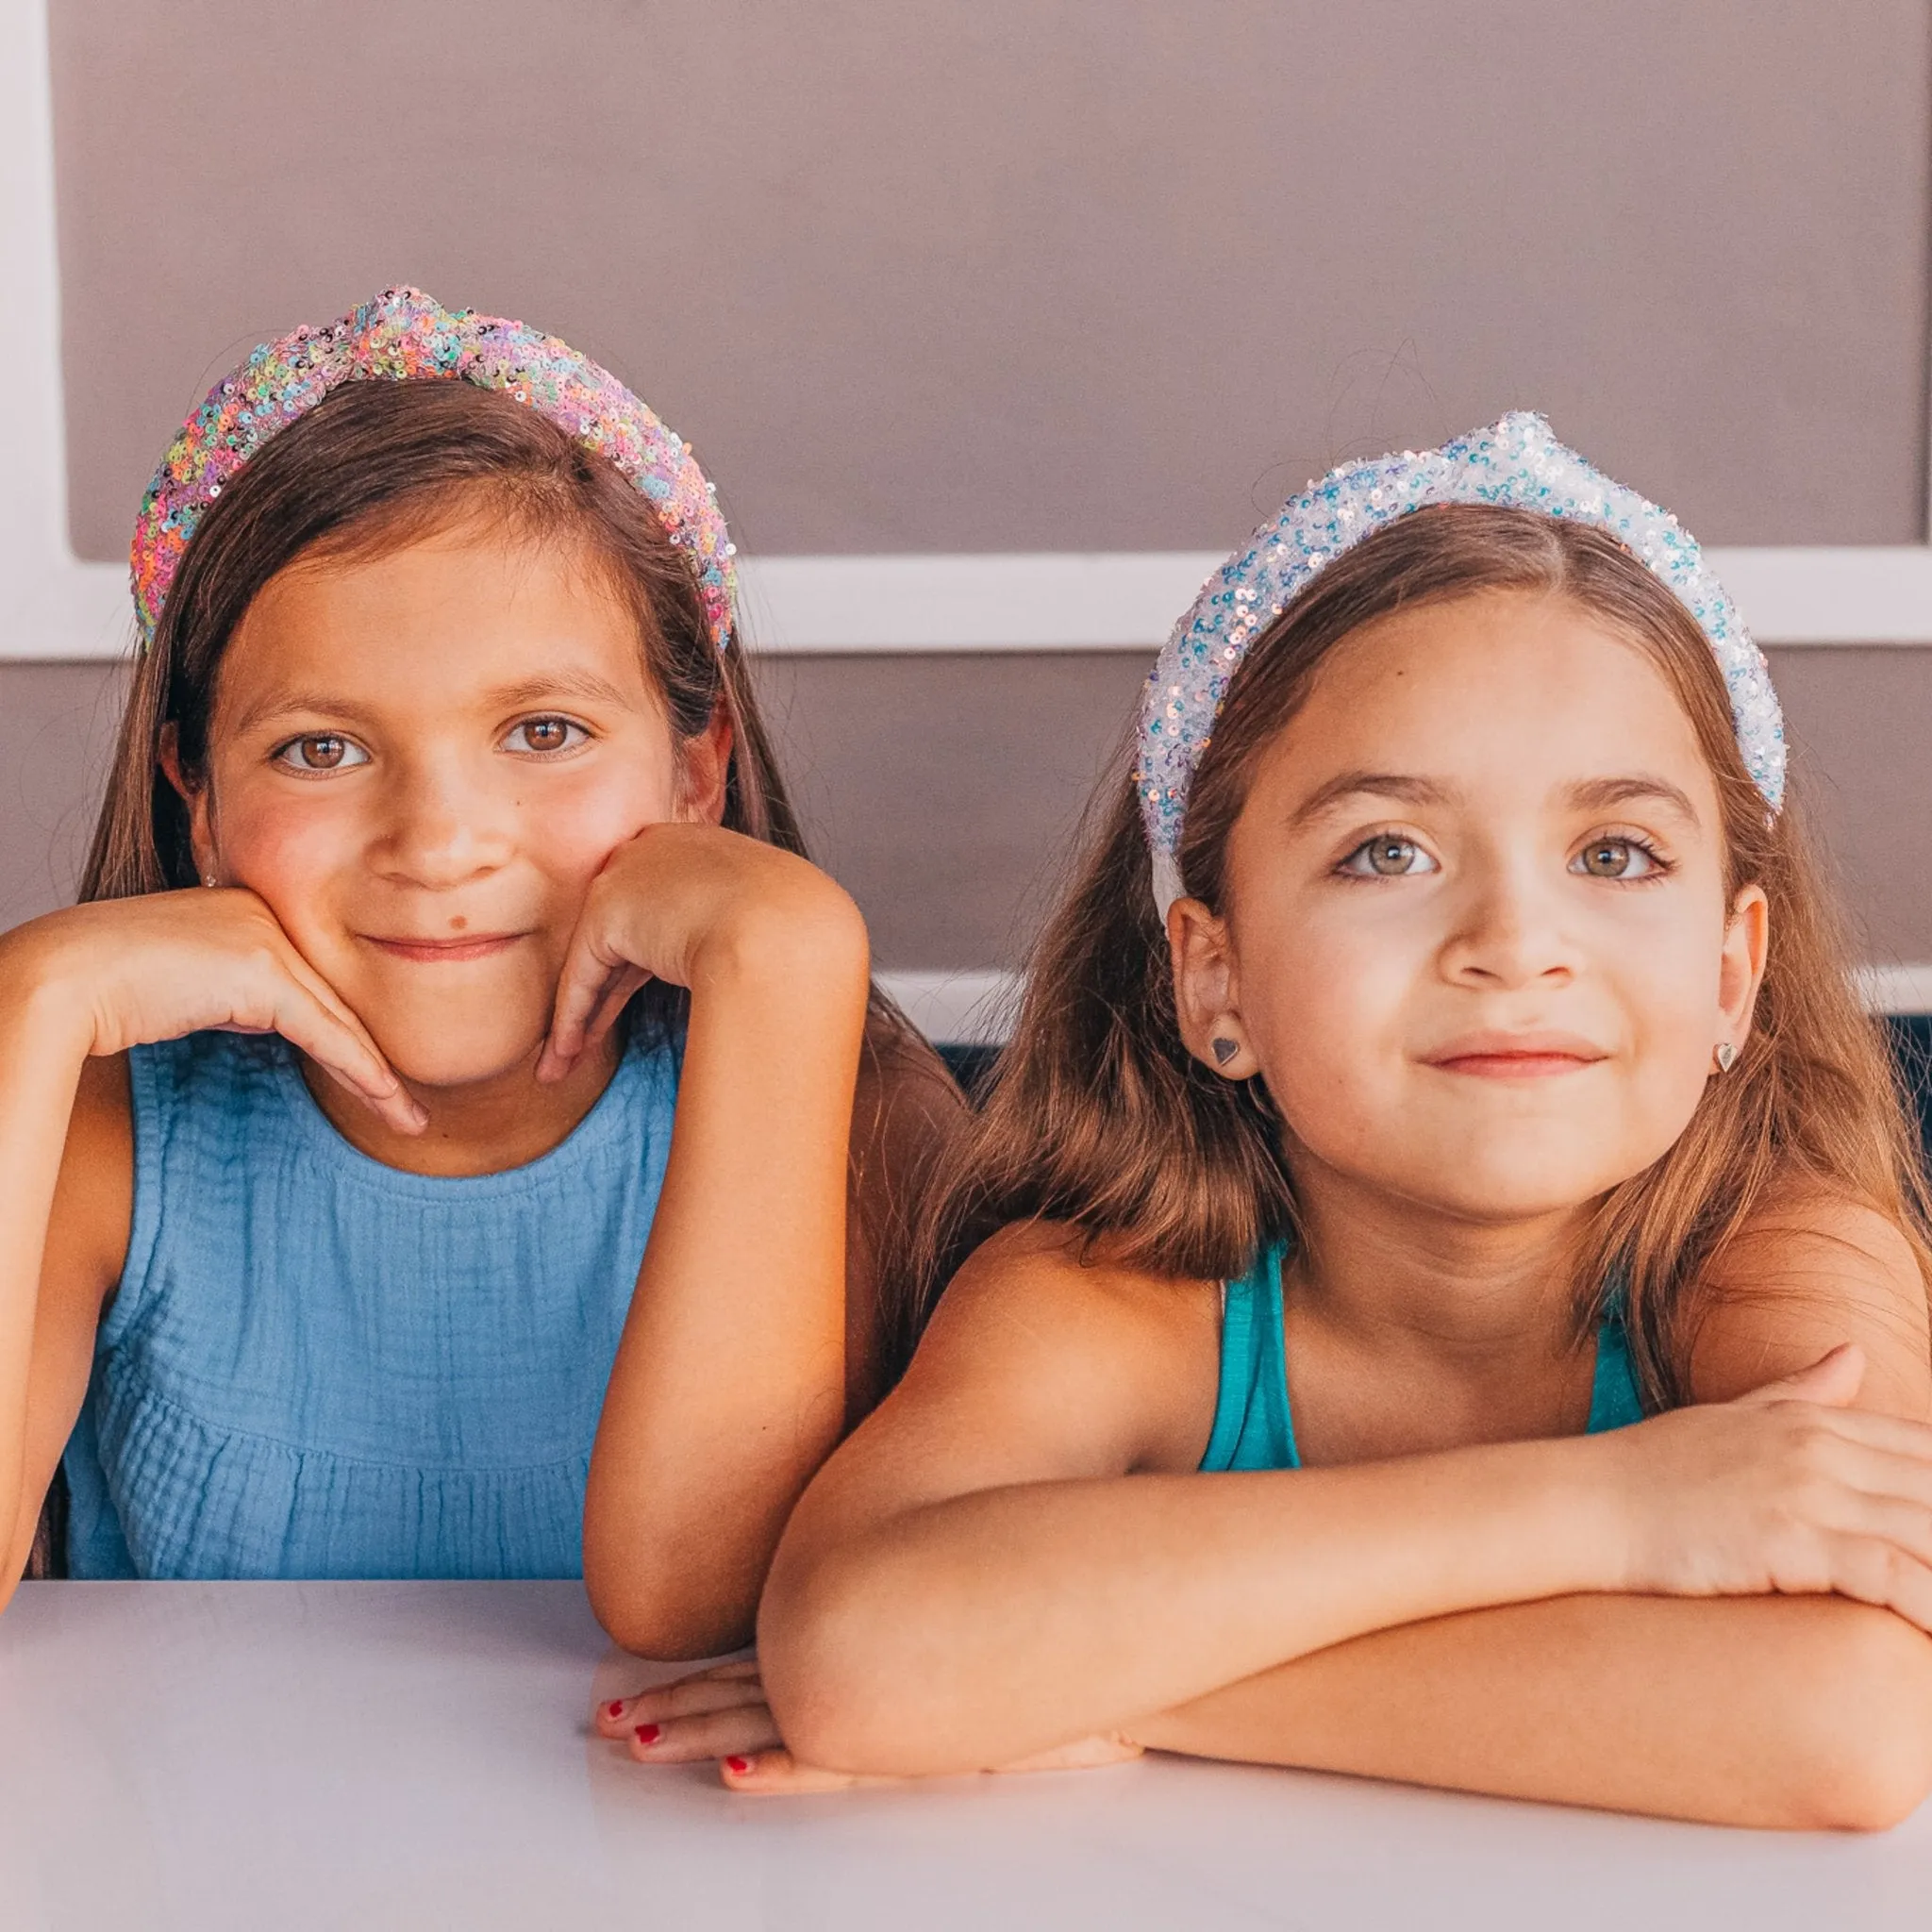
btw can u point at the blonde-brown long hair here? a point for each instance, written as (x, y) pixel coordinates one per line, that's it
(1099, 1117)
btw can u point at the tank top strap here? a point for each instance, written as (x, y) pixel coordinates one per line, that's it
(1253, 1428)
(1614, 1400)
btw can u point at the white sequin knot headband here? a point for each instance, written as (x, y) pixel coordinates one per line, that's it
(1518, 464)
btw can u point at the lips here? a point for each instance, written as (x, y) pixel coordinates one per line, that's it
(1495, 1056)
(444, 951)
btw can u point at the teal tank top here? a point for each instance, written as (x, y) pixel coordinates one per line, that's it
(1252, 1427)
(318, 1366)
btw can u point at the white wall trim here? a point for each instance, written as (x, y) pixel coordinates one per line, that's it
(53, 606)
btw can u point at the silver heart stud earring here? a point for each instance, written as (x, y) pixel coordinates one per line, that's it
(1727, 1056)
(1224, 1049)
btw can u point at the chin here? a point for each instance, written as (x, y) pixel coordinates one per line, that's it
(447, 1053)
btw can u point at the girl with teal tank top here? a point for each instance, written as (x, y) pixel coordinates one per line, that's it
(426, 1153)
(1448, 978)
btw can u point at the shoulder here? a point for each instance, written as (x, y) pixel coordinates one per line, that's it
(1053, 1322)
(1811, 1268)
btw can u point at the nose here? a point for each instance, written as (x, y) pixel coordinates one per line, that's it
(1509, 930)
(440, 829)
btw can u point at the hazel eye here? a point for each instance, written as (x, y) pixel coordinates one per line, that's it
(541, 735)
(1615, 858)
(1388, 857)
(321, 751)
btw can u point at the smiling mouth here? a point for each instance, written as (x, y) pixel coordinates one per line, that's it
(471, 946)
(1527, 1057)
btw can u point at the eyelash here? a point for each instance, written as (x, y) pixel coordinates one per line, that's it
(1658, 867)
(280, 755)
(1661, 867)
(583, 734)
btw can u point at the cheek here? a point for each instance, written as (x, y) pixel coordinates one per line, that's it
(287, 849)
(1325, 1003)
(572, 822)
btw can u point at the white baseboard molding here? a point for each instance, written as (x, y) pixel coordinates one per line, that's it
(977, 1007)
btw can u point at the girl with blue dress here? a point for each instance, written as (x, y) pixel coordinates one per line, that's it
(430, 1149)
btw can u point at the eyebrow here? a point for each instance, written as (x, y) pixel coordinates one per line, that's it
(1396, 784)
(522, 694)
(1592, 794)
(1601, 794)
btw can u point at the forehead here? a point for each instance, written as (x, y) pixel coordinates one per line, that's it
(1504, 690)
(440, 621)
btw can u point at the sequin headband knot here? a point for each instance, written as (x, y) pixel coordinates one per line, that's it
(401, 336)
(1516, 462)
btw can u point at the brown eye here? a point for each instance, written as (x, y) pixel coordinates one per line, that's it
(545, 734)
(1614, 858)
(321, 751)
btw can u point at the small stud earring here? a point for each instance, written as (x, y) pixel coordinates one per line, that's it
(1727, 1056)
(1224, 1049)
(207, 878)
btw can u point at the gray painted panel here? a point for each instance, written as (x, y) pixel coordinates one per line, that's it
(967, 275)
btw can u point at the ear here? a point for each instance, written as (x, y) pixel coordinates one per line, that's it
(1741, 965)
(197, 797)
(1206, 991)
(706, 770)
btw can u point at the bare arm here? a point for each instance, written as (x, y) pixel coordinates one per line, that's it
(1791, 1713)
(1768, 1711)
(77, 989)
(970, 1581)
(980, 1517)
(729, 1385)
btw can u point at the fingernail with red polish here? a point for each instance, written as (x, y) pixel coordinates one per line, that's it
(738, 1766)
(648, 1734)
(614, 1709)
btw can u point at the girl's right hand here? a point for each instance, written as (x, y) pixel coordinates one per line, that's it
(128, 972)
(1787, 1489)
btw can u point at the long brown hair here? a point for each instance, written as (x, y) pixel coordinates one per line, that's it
(377, 465)
(1099, 1117)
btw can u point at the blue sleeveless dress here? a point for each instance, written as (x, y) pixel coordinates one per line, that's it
(318, 1366)
(1253, 1425)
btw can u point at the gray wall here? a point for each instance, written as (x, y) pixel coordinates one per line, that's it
(964, 274)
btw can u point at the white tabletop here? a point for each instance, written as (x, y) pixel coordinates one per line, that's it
(285, 1756)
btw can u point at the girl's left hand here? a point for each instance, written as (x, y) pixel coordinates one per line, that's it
(678, 896)
(721, 1713)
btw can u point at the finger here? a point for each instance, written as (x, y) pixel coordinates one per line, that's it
(580, 989)
(1892, 1435)
(693, 1696)
(337, 1042)
(1831, 1381)
(611, 1003)
(779, 1775)
(713, 1734)
(1882, 1574)
(615, 1719)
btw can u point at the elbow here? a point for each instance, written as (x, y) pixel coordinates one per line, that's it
(831, 1673)
(665, 1622)
(1859, 1754)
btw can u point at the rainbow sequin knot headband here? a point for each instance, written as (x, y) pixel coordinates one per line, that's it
(1516, 462)
(404, 335)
